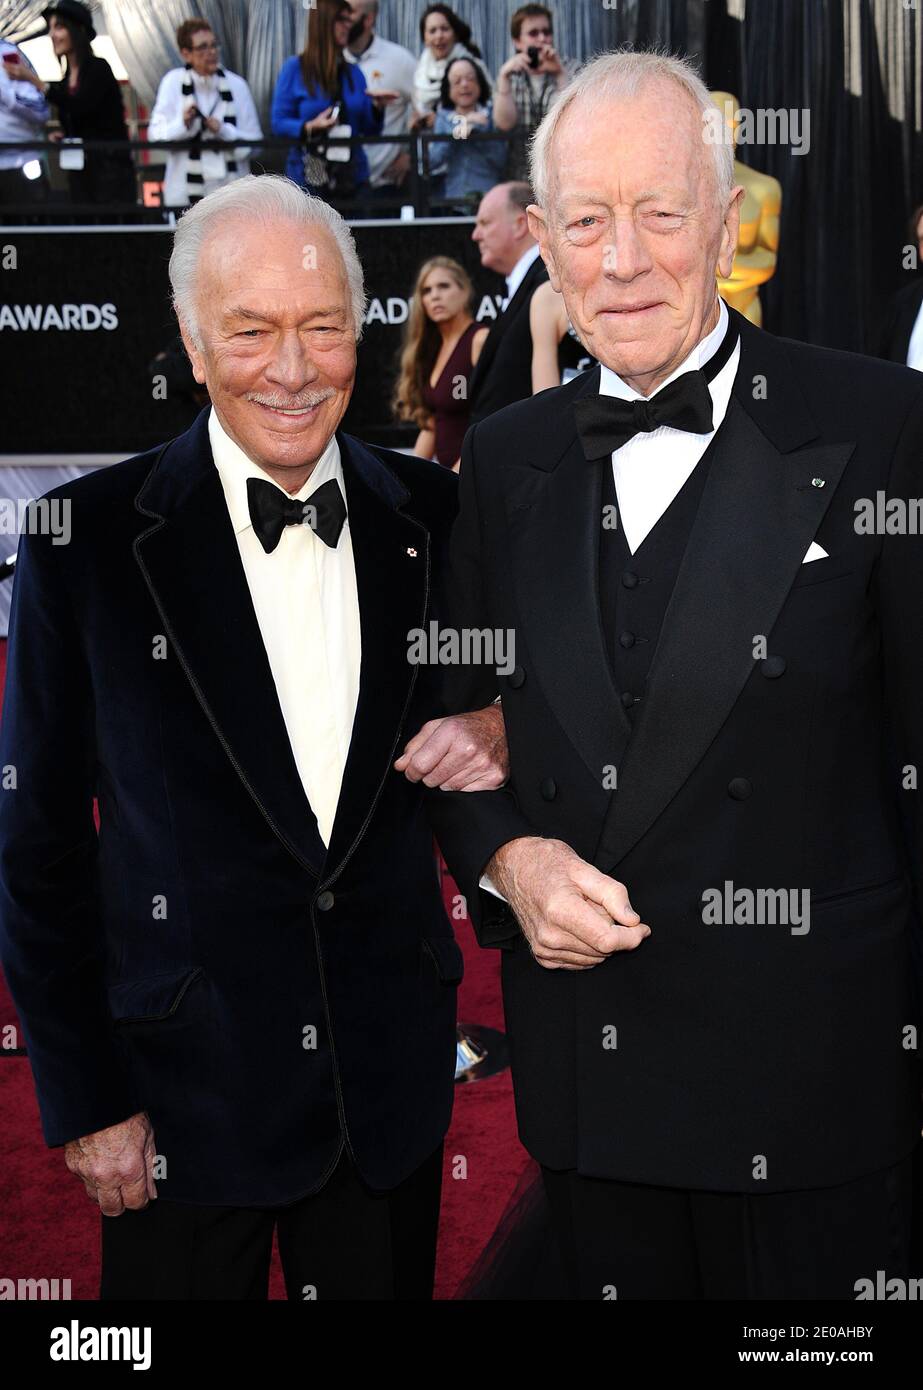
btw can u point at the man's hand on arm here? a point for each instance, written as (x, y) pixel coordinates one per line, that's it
(116, 1164)
(572, 916)
(463, 753)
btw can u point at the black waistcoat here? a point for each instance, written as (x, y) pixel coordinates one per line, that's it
(635, 589)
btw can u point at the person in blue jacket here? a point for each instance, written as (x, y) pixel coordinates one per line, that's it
(310, 85)
(464, 168)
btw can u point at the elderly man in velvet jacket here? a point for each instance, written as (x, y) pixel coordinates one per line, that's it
(239, 995)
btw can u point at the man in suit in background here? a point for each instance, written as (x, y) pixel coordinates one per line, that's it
(710, 845)
(504, 369)
(239, 998)
(901, 330)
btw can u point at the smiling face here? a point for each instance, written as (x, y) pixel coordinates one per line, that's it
(60, 37)
(443, 297)
(464, 87)
(202, 53)
(634, 235)
(438, 35)
(278, 343)
(342, 26)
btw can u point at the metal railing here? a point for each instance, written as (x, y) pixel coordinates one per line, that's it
(420, 190)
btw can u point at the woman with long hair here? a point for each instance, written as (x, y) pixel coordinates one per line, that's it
(443, 36)
(441, 345)
(89, 102)
(317, 90)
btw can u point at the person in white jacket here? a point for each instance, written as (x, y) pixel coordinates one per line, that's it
(199, 103)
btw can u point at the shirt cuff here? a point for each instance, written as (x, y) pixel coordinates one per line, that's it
(486, 884)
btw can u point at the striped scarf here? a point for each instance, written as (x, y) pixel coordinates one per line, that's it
(194, 178)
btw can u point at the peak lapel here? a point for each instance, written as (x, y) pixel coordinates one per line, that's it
(554, 518)
(191, 565)
(758, 515)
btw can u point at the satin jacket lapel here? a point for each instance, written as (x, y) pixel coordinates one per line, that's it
(392, 558)
(191, 564)
(554, 518)
(759, 513)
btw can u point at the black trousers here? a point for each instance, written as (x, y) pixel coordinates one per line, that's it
(630, 1241)
(344, 1242)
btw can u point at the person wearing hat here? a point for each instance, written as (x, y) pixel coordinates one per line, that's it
(89, 104)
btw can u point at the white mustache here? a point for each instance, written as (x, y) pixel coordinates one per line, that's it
(303, 402)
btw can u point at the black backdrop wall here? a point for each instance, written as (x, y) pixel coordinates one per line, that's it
(855, 67)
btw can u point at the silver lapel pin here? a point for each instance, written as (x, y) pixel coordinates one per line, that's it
(818, 482)
(411, 551)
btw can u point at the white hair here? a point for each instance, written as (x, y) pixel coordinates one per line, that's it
(616, 77)
(264, 198)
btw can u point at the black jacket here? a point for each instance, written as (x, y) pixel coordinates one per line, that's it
(203, 958)
(897, 325)
(503, 373)
(732, 1042)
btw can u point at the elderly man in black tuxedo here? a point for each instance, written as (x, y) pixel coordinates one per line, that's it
(710, 844)
(239, 997)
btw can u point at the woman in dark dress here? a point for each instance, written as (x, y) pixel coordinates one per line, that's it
(89, 103)
(441, 345)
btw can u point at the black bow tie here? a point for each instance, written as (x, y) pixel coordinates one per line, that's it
(271, 510)
(605, 423)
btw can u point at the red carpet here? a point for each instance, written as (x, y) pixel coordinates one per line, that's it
(50, 1229)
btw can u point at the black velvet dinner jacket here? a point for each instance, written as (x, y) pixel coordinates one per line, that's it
(203, 958)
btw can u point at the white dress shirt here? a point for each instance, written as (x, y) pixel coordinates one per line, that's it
(387, 67)
(651, 468)
(915, 347)
(518, 273)
(307, 607)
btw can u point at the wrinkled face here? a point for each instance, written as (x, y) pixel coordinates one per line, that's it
(634, 236)
(278, 343)
(463, 84)
(443, 297)
(498, 231)
(533, 33)
(439, 35)
(202, 53)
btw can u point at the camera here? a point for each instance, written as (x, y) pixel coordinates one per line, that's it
(535, 56)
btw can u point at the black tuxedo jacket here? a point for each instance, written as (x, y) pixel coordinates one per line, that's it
(727, 1057)
(203, 958)
(897, 327)
(503, 373)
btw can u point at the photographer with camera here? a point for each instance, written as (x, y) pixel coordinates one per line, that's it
(528, 84)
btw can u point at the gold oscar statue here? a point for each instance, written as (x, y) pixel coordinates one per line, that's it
(758, 248)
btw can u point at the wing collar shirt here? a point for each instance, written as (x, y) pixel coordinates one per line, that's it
(651, 468)
(307, 607)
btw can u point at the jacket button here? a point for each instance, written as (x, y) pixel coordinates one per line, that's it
(325, 901)
(739, 788)
(772, 666)
(626, 639)
(627, 699)
(629, 580)
(549, 789)
(516, 678)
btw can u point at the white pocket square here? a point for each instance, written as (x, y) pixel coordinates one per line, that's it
(814, 552)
